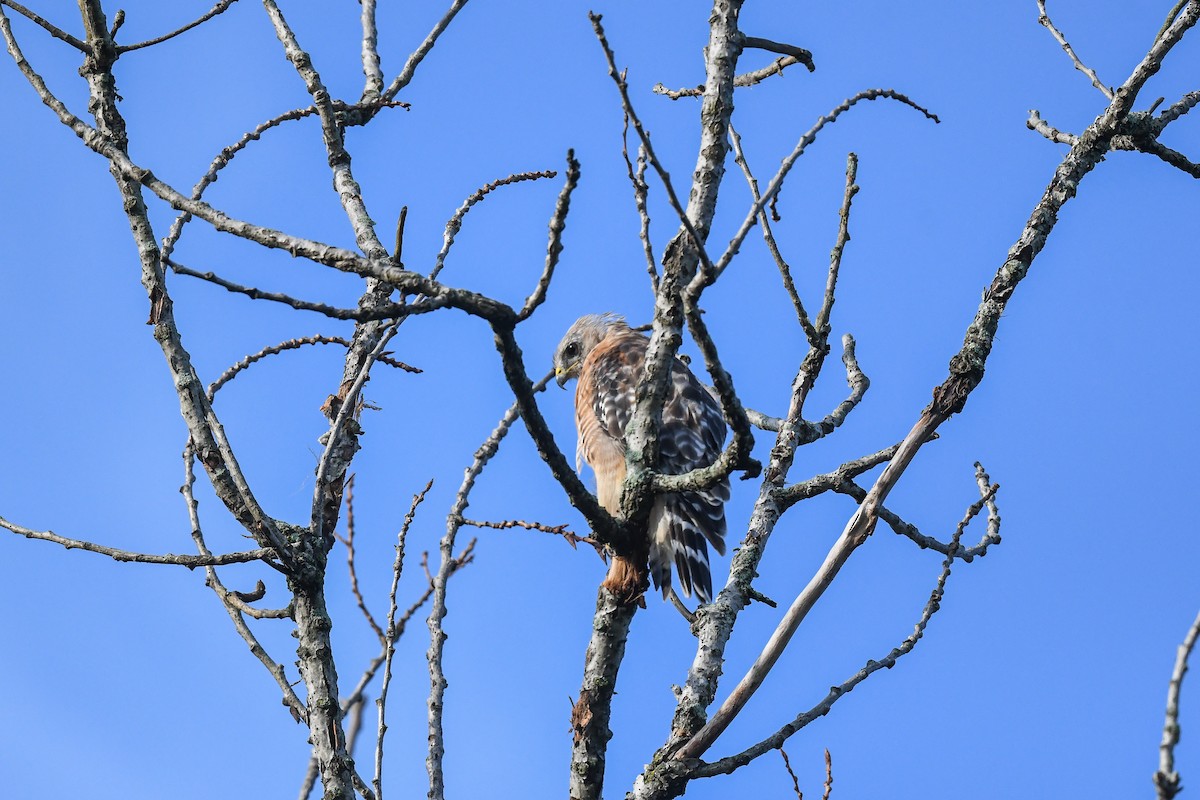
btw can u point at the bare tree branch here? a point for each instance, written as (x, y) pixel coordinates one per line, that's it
(1036, 123)
(1177, 110)
(454, 225)
(558, 530)
(591, 712)
(212, 12)
(1044, 19)
(233, 604)
(790, 55)
(966, 368)
(352, 569)
(275, 297)
(640, 192)
(1166, 779)
(558, 222)
(389, 639)
(795, 781)
(372, 70)
(729, 764)
(418, 55)
(787, 627)
(293, 344)
(53, 30)
(695, 238)
(191, 562)
(798, 53)
(347, 410)
(785, 271)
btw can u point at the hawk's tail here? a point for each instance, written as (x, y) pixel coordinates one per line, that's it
(680, 524)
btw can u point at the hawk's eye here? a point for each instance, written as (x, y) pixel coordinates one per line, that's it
(572, 350)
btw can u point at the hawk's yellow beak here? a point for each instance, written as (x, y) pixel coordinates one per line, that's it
(560, 377)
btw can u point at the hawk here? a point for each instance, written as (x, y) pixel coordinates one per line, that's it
(607, 357)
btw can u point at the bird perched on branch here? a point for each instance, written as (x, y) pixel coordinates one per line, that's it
(607, 357)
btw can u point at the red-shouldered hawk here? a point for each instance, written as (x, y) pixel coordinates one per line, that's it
(607, 357)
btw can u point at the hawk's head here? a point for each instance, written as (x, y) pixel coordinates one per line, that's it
(587, 332)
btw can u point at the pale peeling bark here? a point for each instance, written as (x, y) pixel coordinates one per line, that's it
(591, 712)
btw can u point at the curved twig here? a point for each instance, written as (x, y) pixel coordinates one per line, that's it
(212, 12)
(1166, 779)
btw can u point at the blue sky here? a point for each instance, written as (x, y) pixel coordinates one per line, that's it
(1045, 673)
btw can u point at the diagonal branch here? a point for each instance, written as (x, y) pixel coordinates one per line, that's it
(212, 12)
(49, 27)
(418, 55)
(776, 740)
(1044, 20)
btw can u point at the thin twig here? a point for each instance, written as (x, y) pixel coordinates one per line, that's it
(787, 764)
(1166, 779)
(785, 271)
(1044, 20)
(454, 224)
(828, 775)
(831, 481)
(1171, 15)
(640, 192)
(906, 529)
(191, 562)
(558, 222)
(274, 297)
(390, 638)
(292, 344)
(348, 540)
(227, 154)
(742, 81)
(212, 12)
(558, 530)
(835, 255)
